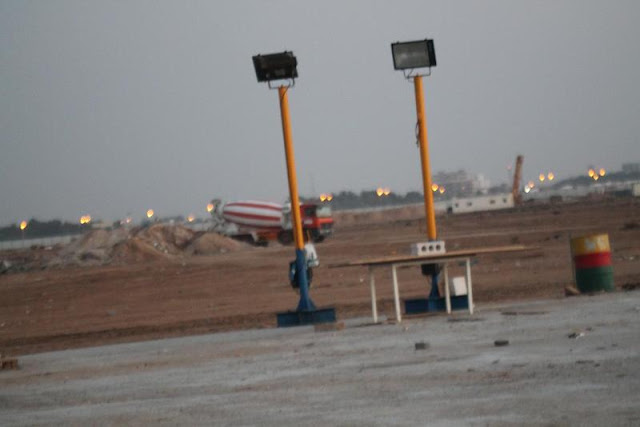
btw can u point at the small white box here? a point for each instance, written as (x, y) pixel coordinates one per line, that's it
(458, 286)
(433, 247)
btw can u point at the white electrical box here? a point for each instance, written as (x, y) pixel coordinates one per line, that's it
(458, 286)
(433, 247)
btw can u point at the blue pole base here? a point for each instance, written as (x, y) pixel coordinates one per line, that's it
(307, 317)
(428, 305)
(306, 304)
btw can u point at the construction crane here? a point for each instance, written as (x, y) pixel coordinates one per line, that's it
(517, 177)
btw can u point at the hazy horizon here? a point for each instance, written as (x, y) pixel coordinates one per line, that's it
(111, 108)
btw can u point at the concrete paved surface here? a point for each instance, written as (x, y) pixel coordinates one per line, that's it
(360, 376)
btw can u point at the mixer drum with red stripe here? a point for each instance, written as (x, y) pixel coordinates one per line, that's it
(254, 214)
(592, 263)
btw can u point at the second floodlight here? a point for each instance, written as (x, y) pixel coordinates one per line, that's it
(275, 66)
(414, 54)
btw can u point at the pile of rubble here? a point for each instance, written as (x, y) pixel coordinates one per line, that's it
(123, 245)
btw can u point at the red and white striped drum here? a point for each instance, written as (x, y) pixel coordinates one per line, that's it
(254, 214)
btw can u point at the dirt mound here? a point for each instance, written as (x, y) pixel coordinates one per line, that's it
(214, 243)
(96, 240)
(167, 239)
(159, 241)
(126, 245)
(136, 250)
(92, 248)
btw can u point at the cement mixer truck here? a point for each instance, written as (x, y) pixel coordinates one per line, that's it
(259, 222)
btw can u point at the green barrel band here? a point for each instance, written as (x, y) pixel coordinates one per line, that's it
(595, 279)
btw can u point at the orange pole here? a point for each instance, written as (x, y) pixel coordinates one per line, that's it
(424, 158)
(291, 168)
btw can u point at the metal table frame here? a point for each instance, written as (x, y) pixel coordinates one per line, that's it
(396, 292)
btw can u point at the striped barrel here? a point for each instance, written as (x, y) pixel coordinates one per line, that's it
(592, 263)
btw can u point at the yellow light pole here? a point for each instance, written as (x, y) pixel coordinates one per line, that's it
(424, 159)
(279, 67)
(409, 57)
(291, 167)
(415, 59)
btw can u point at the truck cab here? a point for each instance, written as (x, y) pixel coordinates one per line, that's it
(317, 221)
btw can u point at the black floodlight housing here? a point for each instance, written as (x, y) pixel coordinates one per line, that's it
(416, 54)
(275, 66)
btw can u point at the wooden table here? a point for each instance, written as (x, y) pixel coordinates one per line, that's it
(407, 260)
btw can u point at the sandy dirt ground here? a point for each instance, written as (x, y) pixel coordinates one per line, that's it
(158, 297)
(572, 361)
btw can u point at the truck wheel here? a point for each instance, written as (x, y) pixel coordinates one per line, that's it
(245, 238)
(285, 237)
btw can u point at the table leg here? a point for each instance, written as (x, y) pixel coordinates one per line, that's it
(396, 293)
(447, 292)
(374, 306)
(469, 287)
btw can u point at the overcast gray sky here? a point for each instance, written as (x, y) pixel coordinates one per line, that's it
(113, 107)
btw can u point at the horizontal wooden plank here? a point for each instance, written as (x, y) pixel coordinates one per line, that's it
(462, 253)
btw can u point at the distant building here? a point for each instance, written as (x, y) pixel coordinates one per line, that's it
(480, 203)
(462, 183)
(631, 167)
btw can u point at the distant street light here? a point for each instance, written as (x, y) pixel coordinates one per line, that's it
(23, 227)
(550, 176)
(602, 172)
(434, 187)
(150, 213)
(210, 207)
(541, 177)
(379, 191)
(191, 218)
(591, 173)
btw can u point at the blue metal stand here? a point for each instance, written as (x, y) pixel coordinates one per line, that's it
(434, 302)
(306, 313)
(305, 303)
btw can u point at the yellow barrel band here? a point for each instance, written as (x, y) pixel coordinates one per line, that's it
(590, 244)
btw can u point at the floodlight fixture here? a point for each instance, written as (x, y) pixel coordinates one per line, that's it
(276, 66)
(413, 54)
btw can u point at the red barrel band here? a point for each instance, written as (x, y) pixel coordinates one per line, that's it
(600, 259)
